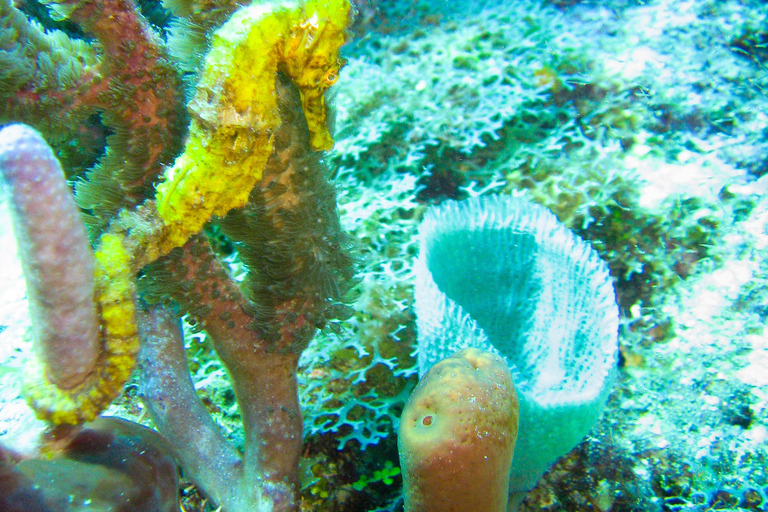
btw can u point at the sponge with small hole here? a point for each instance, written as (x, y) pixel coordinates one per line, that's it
(504, 275)
(457, 436)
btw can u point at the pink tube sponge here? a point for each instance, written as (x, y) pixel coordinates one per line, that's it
(55, 255)
(457, 436)
(81, 303)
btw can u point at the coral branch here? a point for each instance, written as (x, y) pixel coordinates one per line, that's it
(126, 82)
(263, 375)
(140, 94)
(290, 232)
(43, 72)
(173, 405)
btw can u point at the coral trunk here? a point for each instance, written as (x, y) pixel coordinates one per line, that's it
(167, 391)
(263, 374)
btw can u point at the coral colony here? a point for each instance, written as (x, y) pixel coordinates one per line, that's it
(250, 147)
(310, 255)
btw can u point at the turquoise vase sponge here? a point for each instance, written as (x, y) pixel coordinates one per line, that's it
(503, 275)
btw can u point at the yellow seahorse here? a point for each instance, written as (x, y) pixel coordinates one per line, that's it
(234, 111)
(234, 114)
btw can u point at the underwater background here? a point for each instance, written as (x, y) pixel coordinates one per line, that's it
(643, 126)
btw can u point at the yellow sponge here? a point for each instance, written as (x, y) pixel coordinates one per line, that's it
(457, 436)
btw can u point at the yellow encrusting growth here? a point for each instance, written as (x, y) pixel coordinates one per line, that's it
(115, 295)
(235, 112)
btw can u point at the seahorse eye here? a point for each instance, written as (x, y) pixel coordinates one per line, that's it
(330, 77)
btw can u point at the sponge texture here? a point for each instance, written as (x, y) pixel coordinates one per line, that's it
(55, 254)
(457, 436)
(503, 275)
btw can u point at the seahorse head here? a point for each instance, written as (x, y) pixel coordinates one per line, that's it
(311, 59)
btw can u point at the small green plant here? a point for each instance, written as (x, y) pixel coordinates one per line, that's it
(383, 475)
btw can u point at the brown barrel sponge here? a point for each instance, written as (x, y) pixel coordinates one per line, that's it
(457, 436)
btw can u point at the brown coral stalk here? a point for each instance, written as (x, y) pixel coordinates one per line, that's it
(263, 374)
(140, 95)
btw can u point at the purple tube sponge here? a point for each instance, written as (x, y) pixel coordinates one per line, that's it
(55, 255)
(81, 302)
